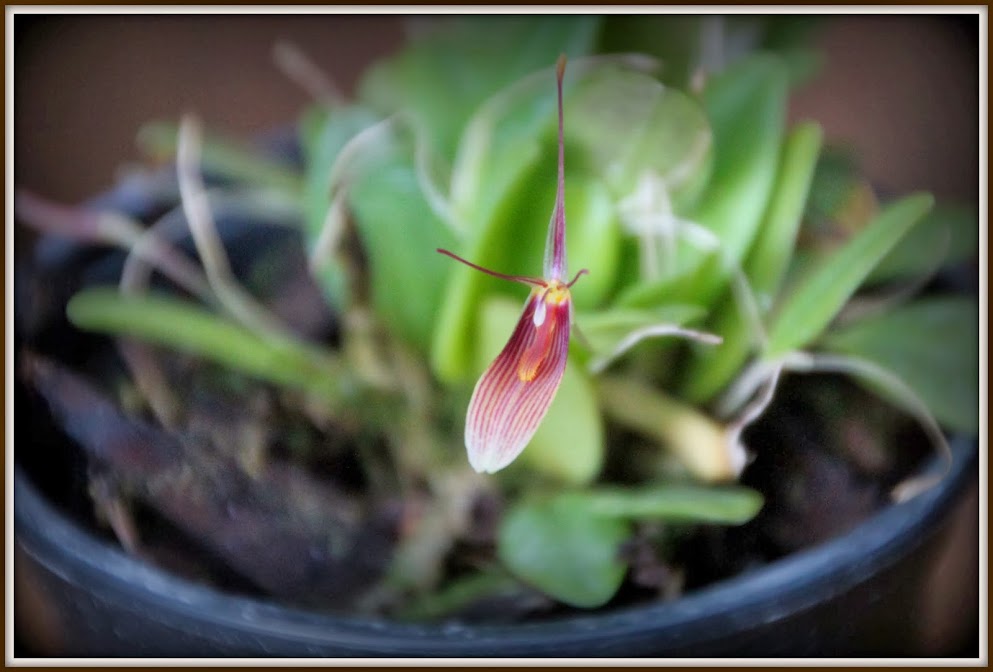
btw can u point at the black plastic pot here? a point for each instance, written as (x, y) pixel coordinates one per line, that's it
(81, 595)
(855, 595)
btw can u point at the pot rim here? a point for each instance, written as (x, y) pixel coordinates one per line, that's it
(723, 609)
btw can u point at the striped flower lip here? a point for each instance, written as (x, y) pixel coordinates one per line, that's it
(514, 393)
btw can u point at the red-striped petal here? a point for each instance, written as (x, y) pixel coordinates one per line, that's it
(514, 393)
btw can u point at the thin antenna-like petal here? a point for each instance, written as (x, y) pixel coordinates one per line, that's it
(555, 263)
(513, 395)
(523, 279)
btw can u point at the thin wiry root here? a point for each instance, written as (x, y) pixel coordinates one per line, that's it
(139, 358)
(598, 364)
(439, 203)
(757, 407)
(338, 180)
(332, 232)
(231, 296)
(743, 387)
(151, 249)
(333, 229)
(768, 374)
(151, 381)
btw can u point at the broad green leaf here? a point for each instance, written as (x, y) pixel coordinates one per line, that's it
(560, 547)
(772, 250)
(933, 345)
(746, 106)
(444, 75)
(629, 125)
(765, 266)
(398, 230)
(569, 443)
(186, 327)
(400, 234)
(727, 505)
(809, 308)
(323, 134)
(652, 293)
(593, 240)
(948, 235)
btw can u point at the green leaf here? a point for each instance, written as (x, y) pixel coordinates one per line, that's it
(727, 505)
(818, 297)
(628, 125)
(443, 76)
(746, 105)
(933, 345)
(397, 227)
(593, 240)
(949, 229)
(765, 266)
(568, 445)
(186, 327)
(772, 250)
(400, 234)
(561, 548)
(652, 293)
(323, 134)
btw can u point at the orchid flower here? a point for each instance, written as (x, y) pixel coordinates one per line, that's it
(514, 393)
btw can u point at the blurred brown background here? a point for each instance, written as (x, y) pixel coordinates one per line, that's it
(85, 84)
(903, 90)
